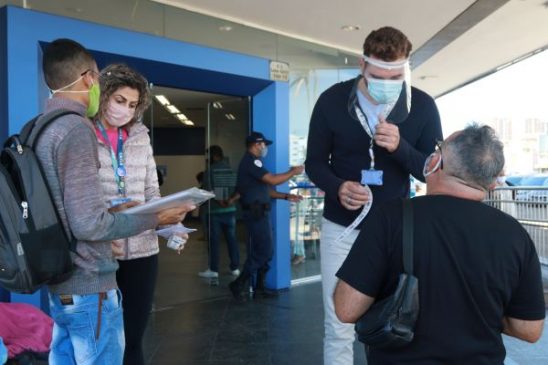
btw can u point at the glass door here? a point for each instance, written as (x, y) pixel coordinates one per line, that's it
(228, 124)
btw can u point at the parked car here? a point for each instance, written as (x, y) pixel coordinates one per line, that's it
(513, 180)
(535, 188)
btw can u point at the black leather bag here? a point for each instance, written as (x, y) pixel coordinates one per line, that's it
(390, 323)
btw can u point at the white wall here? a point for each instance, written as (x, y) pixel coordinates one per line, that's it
(181, 172)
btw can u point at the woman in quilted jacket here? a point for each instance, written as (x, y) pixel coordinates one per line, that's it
(128, 172)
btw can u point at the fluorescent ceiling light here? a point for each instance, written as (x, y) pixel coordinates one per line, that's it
(188, 122)
(173, 109)
(181, 117)
(230, 116)
(217, 105)
(350, 27)
(162, 99)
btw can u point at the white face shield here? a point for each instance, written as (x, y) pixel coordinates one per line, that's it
(390, 91)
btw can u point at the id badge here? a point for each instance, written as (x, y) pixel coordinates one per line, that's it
(118, 201)
(372, 177)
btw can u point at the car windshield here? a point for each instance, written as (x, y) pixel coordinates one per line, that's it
(533, 181)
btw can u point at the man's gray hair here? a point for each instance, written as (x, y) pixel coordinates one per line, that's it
(475, 155)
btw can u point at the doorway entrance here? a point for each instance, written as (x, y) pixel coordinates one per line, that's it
(188, 128)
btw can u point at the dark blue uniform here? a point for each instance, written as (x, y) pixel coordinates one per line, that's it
(255, 201)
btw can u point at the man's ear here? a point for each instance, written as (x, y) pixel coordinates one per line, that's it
(433, 161)
(362, 65)
(88, 79)
(493, 185)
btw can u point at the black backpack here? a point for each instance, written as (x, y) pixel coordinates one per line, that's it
(35, 249)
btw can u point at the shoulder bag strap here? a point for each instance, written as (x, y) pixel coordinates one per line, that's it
(407, 237)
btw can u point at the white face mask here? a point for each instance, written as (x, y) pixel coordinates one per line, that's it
(118, 115)
(264, 151)
(425, 171)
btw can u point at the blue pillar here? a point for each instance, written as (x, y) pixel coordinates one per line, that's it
(271, 117)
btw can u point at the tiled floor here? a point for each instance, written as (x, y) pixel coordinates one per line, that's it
(196, 323)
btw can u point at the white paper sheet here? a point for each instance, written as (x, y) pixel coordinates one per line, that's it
(194, 195)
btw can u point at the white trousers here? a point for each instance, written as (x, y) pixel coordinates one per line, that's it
(339, 337)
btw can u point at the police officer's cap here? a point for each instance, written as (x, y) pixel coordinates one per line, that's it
(257, 137)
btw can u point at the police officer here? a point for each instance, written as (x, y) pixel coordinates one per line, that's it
(254, 191)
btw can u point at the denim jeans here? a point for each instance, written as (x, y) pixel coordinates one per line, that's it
(225, 222)
(339, 337)
(74, 331)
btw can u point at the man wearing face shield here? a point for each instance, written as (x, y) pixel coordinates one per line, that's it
(366, 137)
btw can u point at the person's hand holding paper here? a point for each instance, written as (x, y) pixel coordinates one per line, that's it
(176, 230)
(176, 214)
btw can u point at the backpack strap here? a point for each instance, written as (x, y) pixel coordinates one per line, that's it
(407, 237)
(34, 128)
(30, 133)
(15, 140)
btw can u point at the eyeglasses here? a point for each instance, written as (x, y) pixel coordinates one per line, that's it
(89, 70)
(438, 149)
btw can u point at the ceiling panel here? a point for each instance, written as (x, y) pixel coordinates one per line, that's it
(320, 21)
(194, 105)
(451, 51)
(516, 29)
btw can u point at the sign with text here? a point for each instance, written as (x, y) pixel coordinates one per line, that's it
(279, 71)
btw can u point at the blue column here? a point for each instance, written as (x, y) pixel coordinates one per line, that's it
(271, 117)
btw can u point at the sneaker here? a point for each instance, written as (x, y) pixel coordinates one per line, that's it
(297, 260)
(208, 274)
(235, 272)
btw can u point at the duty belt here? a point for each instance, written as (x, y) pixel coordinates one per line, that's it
(264, 206)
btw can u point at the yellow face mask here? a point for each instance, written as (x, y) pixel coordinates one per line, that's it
(94, 96)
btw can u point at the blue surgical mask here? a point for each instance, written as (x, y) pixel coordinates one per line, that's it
(264, 151)
(384, 91)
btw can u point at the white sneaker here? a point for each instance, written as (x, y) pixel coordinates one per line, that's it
(235, 272)
(208, 274)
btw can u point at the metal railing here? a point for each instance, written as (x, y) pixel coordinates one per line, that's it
(305, 219)
(529, 205)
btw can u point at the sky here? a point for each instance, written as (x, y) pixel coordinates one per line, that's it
(519, 91)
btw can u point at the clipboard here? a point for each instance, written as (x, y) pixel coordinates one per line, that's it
(194, 195)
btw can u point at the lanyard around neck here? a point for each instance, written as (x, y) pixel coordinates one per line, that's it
(117, 159)
(365, 124)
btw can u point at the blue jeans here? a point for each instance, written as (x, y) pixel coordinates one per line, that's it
(74, 339)
(225, 222)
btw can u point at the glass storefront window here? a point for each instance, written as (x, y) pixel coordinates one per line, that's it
(305, 225)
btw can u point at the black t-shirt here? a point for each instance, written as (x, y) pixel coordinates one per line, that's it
(475, 264)
(250, 186)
